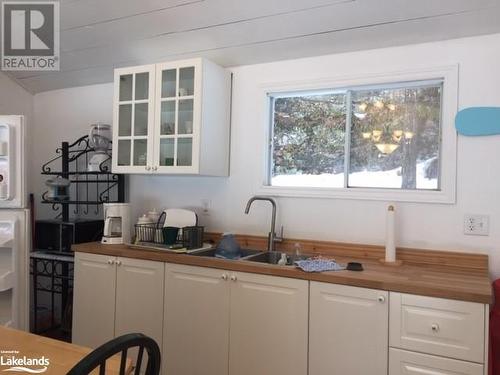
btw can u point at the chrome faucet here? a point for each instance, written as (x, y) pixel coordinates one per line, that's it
(272, 237)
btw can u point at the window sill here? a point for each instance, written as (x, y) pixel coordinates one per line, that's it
(388, 195)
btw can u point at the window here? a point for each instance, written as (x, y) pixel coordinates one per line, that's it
(382, 136)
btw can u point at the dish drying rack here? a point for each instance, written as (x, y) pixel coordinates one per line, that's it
(150, 235)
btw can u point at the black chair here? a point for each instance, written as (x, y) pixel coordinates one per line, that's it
(98, 357)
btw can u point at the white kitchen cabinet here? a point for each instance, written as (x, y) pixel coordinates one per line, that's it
(114, 296)
(196, 321)
(133, 119)
(438, 326)
(139, 297)
(179, 124)
(348, 330)
(402, 362)
(93, 299)
(269, 324)
(217, 320)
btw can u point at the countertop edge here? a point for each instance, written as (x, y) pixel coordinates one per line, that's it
(375, 276)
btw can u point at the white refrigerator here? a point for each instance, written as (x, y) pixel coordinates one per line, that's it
(15, 239)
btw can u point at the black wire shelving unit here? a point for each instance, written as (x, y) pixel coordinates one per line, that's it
(74, 158)
(52, 271)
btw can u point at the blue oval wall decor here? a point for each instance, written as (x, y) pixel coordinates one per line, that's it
(476, 121)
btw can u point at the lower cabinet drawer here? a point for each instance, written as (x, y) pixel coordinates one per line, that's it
(437, 326)
(402, 362)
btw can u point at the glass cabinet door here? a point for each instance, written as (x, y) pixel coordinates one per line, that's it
(133, 119)
(176, 113)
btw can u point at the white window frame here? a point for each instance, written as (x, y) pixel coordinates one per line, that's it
(448, 147)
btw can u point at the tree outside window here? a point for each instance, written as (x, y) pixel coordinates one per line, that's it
(394, 138)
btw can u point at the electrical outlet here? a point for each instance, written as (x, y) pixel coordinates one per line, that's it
(476, 225)
(205, 207)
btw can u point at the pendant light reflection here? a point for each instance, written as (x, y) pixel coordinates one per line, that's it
(386, 148)
(376, 134)
(397, 135)
(384, 140)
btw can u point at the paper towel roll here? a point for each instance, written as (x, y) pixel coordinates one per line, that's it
(390, 247)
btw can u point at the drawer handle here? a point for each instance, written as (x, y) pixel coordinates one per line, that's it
(381, 299)
(435, 327)
(110, 261)
(118, 262)
(224, 277)
(148, 168)
(233, 278)
(155, 168)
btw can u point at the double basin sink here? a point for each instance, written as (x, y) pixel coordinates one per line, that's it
(269, 257)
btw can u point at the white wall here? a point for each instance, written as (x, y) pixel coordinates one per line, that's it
(433, 226)
(64, 115)
(15, 100)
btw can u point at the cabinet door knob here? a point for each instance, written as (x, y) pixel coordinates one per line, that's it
(155, 168)
(110, 261)
(224, 277)
(435, 327)
(118, 262)
(233, 278)
(381, 299)
(148, 167)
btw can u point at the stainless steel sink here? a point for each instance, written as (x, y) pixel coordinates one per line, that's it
(269, 257)
(272, 257)
(245, 253)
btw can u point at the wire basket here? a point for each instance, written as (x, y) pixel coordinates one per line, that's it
(149, 233)
(192, 237)
(189, 237)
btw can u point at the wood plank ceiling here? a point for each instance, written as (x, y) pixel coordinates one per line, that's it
(99, 35)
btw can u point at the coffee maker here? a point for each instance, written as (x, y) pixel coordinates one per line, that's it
(116, 223)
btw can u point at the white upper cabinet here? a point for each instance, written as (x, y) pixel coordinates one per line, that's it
(133, 119)
(172, 118)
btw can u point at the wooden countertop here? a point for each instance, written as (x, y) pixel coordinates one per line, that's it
(446, 275)
(62, 356)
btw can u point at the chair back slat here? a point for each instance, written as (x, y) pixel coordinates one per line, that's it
(139, 361)
(123, 362)
(98, 357)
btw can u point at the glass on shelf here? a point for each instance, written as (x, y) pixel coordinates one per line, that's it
(125, 120)
(168, 83)
(167, 126)
(186, 81)
(140, 151)
(185, 124)
(126, 87)
(124, 152)
(184, 152)
(141, 86)
(141, 119)
(167, 151)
